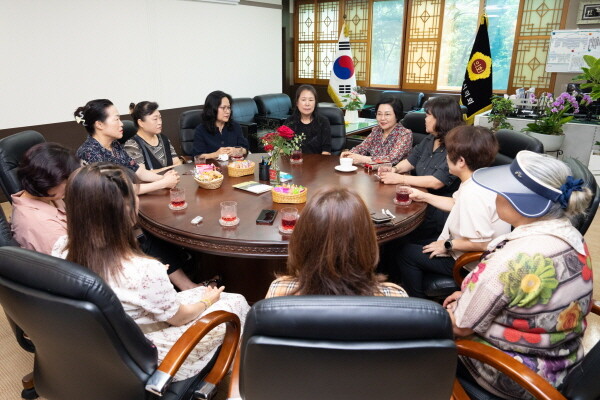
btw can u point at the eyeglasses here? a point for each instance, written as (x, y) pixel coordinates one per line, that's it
(387, 115)
(225, 108)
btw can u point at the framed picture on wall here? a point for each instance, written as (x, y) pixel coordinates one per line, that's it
(589, 12)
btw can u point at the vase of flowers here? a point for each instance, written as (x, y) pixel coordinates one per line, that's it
(548, 127)
(281, 142)
(353, 103)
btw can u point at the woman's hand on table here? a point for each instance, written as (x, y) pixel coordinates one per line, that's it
(390, 178)
(435, 248)
(170, 179)
(418, 195)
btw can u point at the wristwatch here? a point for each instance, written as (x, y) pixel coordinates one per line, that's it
(448, 244)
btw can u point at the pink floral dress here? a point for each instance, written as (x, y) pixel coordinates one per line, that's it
(150, 299)
(529, 297)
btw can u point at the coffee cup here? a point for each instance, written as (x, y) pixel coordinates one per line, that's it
(346, 162)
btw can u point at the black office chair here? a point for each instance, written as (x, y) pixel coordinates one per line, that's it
(580, 171)
(411, 101)
(415, 121)
(245, 112)
(12, 150)
(188, 121)
(276, 106)
(345, 347)
(511, 142)
(338, 128)
(86, 347)
(129, 131)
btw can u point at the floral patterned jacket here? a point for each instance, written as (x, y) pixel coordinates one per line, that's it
(529, 297)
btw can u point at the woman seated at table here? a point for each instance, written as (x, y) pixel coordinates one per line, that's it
(100, 237)
(306, 119)
(333, 250)
(38, 211)
(389, 141)
(218, 133)
(473, 221)
(530, 294)
(428, 164)
(149, 147)
(101, 120)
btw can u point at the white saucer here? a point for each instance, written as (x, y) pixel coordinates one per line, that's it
(342, 169)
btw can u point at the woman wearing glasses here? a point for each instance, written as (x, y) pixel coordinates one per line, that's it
(218, 133)
(389, 141)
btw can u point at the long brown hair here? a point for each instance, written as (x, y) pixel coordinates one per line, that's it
(101, 212)
(333, 250)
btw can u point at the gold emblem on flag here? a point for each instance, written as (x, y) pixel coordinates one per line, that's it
(479, 66)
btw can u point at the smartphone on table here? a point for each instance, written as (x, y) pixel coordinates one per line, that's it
(266, 217)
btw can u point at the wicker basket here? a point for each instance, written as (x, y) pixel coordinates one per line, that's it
(279, 197)
(214, 184)
(237, 172)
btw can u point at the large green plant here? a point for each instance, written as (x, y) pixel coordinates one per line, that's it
(590, 74)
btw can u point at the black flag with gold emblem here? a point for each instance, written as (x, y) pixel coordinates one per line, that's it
(476, 91)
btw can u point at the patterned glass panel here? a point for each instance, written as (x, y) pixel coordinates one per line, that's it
(306, 22)
(327, 25)
(541, 17)
(386, 42)
(357, 19)
(420, 65)
(305, 61)
(424, 19)
(530, 64)
(325, 57)
(359, 53)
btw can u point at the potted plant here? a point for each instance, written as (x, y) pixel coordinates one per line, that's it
(590, 74)
(502, 107)
(354, 102)
(548, 127)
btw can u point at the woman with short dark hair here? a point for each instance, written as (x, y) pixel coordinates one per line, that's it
(333, 250)
(38, 214)
(149, 146)
(218, 133)
(306, 119)
(389, 141)
(428, 165)
(473, 221)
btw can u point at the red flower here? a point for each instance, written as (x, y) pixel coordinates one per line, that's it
(520, 329)
(268, 147)
(285, 132)
(586, 262)
(268, 137)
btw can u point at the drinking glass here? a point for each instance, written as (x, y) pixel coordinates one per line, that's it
(402, 195)
(199, 159)
(296, 157)
(237, 154)
(177, 196)
(229, 213)
(289, 216)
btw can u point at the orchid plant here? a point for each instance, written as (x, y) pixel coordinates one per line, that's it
(552, 112)
(354, 99)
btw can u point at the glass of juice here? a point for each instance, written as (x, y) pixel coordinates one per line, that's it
(296, 157)
(177, 197)
(229, 213)
(402, 195)
(289, 216)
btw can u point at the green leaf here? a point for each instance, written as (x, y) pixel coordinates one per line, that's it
(590, 60)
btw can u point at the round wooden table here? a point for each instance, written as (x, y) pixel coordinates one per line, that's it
(249, 239)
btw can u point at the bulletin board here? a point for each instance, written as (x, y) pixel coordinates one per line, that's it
(567, 48)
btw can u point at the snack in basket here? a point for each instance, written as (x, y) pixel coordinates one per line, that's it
(240, 168)
(289, 193)
(241, 164)
(208, 176)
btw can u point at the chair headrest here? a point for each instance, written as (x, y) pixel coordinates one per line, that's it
(274, 104)
(415, 121)
(243, 109)
(190, 119)
(353, 318)
(333, 114)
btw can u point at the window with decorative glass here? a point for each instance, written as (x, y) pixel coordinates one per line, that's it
(425, 44)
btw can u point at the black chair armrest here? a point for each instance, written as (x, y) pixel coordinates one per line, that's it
(517, 371)
(163, 375)
(270, 122)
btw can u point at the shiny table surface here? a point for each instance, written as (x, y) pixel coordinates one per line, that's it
(249, 239)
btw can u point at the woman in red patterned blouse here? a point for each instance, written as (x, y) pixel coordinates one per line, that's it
(389, 141)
